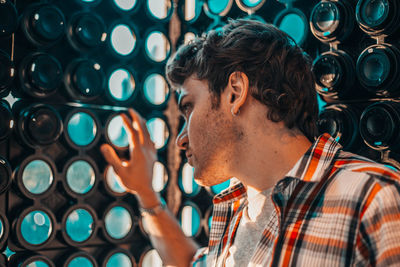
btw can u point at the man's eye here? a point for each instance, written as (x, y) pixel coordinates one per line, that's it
(186, 108)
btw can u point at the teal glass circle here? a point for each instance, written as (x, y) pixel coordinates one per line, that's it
(80, 262)
(123, 39)
(82, 129)
(160, 9)
(36, 227)
(218, 188)
(121, 84)
(37, 177)
(117, 133)
(125, 5)
(119, 260)
(37, 264)
(113, 181)
(80, 177)
(1, 228)
(294, 25)
(152, 259)
(118, 222)
(189, 220)
(158, 47)
(251, 3)
(187, 184)
(156, 89)
(217, 6)
(79, 225)
(158, 131)
(210, 222)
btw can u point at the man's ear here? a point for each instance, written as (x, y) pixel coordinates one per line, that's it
(238, 89)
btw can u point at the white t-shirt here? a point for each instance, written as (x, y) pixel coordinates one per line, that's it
(251, 226)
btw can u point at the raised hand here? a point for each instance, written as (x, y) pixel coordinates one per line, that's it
(137, 172)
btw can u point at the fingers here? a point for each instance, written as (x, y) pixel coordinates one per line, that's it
(132, 132)
(141, 123)
(111, 156)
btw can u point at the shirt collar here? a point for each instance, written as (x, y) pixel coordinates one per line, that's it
(311, 167)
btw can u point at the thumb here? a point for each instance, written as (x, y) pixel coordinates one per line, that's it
(111, 156)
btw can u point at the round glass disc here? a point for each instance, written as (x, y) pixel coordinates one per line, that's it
(119, 260)
(37, 177)
(117, 133)
(294, 25)
(190, 220)
(125, 5)
(156, 89)
(80, 177)
(187, 183)
(36, 227)
(158, 130)
(157, 46)
(121, 84)
(118, 222)
(123, 39)
(152, 259)
(217, 6)
(160, 177)
(113, 181)
(80, 262)
(79, 225)
(37, 264)
(159, 8)
(82, 129)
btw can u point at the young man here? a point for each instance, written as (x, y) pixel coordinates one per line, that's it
(247, 95)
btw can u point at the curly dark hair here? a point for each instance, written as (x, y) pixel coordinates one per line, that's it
(279, 71)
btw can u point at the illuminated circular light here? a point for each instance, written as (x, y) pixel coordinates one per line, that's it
(295, 25)
(37, 264)
(8, 18)
(160, 9)
(82, 129)
(218, 188)
(187, 184)
(160, 177)
(37, 177)
(36, 227)
(80, 262)
(80, 177)
(113, 181)
(117, 133)
(121, 84)
(79, 225)
(85, 79)
(87, 30)
(119, 259)
(157, 46)
(41, 74)
(379, 125)
(251, 3)
(5, 120)
(118, 222)
(152, 259)
(125, 5)
(190, 220)
(217, 7)
(158, 130)
(123, 39)
(1, 228)
(191, 10)
(6, 72)
(44, 24)
(156, 89)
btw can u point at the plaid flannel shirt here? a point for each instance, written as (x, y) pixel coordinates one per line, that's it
(334, 208)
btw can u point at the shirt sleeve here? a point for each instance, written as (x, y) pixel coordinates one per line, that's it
(200, 258)
(378, 239)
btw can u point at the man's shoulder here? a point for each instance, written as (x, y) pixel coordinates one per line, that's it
(349, 165)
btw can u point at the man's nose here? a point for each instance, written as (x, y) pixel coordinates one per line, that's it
(182, 139)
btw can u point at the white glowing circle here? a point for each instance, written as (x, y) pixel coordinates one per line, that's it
(160, 177)
(157, 46)
(123, 39)
(125, 5)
